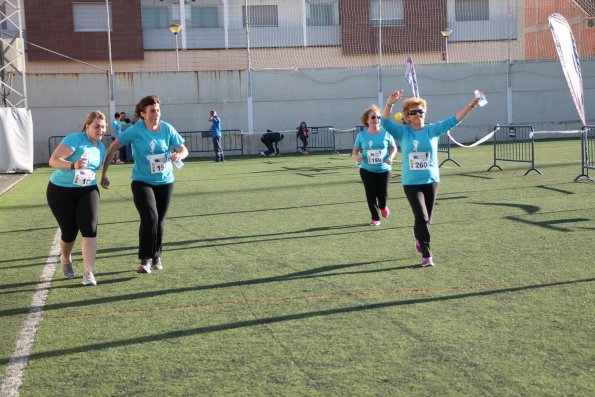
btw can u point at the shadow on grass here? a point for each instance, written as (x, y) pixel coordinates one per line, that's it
(220, 241)
(57, 280)
(305, 274)
(278, 319)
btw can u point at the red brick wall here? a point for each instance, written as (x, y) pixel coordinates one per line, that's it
(50, 24)
(424, 19)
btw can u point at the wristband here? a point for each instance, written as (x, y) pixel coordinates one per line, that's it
(72, 165)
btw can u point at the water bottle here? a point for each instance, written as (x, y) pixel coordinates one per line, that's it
(179, 164)
(482, 99)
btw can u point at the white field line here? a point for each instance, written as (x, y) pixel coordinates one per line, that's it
(15, 369)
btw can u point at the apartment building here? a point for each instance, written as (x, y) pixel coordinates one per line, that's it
(344, 30)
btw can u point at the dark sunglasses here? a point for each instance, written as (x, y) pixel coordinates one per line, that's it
(374, 117)
(416, 111)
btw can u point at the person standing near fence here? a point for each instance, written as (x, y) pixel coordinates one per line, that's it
(152, 175)
(117, 128)
(421, 173)
(302, 134)
(72, 192)
(374, 150)
(216, 134)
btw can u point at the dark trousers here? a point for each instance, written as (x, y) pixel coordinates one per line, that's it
(218, 148)
(376, 185)
(304, 143)
(270, 148)
(152, 203)
(75, 209)
(422, 199)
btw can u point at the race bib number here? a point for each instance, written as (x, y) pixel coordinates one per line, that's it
(158, 163)
(375, 156)
(419, 161)
(83, 177)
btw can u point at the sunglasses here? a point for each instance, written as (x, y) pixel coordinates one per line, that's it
(416, 111)
(374, 117)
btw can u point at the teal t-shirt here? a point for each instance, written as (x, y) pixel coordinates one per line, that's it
(151, 152)
(420, 149)
(81, 147)
(375, 150)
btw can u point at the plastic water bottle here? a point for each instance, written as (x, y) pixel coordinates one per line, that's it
(179, 164)
(482, 99)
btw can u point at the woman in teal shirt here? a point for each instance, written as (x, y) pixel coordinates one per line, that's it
(374, 150)
(152, 175)
(421, 175)
(72, 192)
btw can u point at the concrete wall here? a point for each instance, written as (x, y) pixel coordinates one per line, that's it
(335, 97)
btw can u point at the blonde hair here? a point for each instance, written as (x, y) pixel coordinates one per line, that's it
(91, 117)
(410, 102)
(366, 114)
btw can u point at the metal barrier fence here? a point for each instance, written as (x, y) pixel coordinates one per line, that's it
(444, 147)
(319, 138)
(55, 140)
(587, 152)
(201, 141)
(514, 143)
(196, 141)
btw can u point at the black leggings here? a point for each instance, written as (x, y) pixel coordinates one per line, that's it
(422, 199)
(152, 202)
(75, 208)
(376, 185)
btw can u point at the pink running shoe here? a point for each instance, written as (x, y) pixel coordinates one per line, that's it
(385, 212)
(418, 246)
(425, 262)
(375, 223)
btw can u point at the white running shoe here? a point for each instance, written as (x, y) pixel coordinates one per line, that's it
(156, 264)
(89, 279)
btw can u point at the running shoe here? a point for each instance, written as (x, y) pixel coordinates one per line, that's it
(68, 270)
(89, 279)
(374, 223)
(144, 267)
(385, 212)
(156, 264)
(426, 262)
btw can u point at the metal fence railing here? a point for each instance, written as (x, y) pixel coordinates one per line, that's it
(201, 141)
(319, 138)
(587, 152)
(514, 143)
(444, 147)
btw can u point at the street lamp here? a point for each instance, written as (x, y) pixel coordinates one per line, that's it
(445, 34)
(175, 28)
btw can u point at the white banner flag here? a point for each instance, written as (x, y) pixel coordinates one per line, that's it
(410, 76)
(568, 54)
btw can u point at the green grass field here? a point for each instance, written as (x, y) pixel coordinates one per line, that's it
(275, 285)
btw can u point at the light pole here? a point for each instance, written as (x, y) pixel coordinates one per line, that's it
(445, 33)
(175, 28)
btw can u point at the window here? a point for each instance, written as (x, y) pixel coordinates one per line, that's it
(261, 16)
(392, 13)
(204, 17)
(91, 17)
(472, 10)
(155, 17)
(322, 13)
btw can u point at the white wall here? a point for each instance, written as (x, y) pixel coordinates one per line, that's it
(334, 97)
